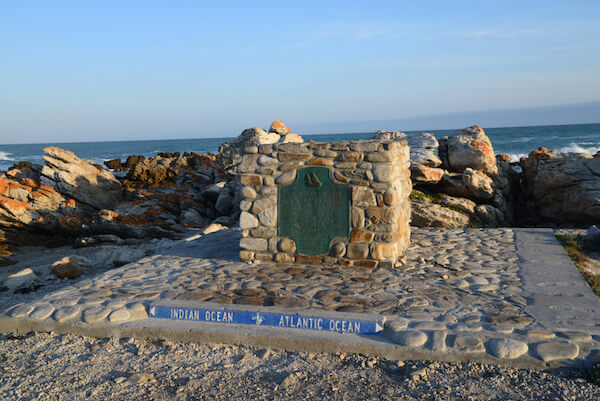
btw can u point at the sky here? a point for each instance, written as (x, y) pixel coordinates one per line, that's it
(120, 70)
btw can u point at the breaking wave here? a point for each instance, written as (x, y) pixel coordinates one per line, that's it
(577, 148)
(6, 156)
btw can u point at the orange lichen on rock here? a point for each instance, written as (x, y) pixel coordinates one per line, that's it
(132, 220)
(29, 182)
(7, 185)
(482, 147)
(69, 203)
(12, 206)
(70, 220)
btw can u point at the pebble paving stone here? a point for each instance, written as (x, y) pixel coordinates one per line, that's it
(438, 340)
(20, 311)
(95, 314)
(118, 316)
(507, 348)
(468, 343)
(553, 351)
(66, 313)
(456, 290)
(42, 312)
(409, 338)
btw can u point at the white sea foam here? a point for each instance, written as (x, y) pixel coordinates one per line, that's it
(6, 156)
(577, 148)
(515, 157)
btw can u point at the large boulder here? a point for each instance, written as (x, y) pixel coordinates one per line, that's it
(71, 267)
(479, 184)
(469, 147)
(421, 174)
(85, 182)
(279, 128)
(562, 188)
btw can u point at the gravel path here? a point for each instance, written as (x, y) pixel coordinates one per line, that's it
(68, 367)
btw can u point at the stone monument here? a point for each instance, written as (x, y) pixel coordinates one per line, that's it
(337, 203)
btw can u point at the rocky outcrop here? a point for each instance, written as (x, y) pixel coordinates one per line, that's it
(154, 172)
(86, 183)
(561, 188)
(25, 170)
(461, 168)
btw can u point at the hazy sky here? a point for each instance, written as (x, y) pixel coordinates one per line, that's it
(104, 70)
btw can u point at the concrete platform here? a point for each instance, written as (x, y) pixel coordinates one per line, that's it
(505, 296)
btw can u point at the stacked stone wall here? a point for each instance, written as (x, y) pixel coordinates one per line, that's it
(378, 174)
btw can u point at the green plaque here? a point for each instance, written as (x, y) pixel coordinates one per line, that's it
(313, 210)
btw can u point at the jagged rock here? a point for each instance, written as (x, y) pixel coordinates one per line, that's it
(70, 267)
(423, 147)
(20, 280)
(453, 184)
(154, 172)
(133, 160)
(224, 203)
(86, 183)
(230, 153)
(489, 216)
(213, 191)
(562, 188)
(469, 147)
(292, 138)
(193, 218)
(428, 214)
(25, 170)
(114, 164)
(479, 184)
(279, 128)
(25, 202)
(466, 205)
(420, 173)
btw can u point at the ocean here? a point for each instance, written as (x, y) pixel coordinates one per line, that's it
(514, 141)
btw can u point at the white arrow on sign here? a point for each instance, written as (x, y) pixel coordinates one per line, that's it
(259, 319)
(153, 311)
(378, 327)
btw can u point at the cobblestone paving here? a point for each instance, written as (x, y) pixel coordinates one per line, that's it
(456, 288)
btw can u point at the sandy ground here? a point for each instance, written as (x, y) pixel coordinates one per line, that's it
(67, 367)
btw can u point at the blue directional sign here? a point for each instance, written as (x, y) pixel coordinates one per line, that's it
(289, 321)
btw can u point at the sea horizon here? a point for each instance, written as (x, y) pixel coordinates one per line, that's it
(514, 141)
(359, 132)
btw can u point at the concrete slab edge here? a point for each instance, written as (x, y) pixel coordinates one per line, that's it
(282, 339)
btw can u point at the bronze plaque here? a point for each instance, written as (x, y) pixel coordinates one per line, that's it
(313, 210)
